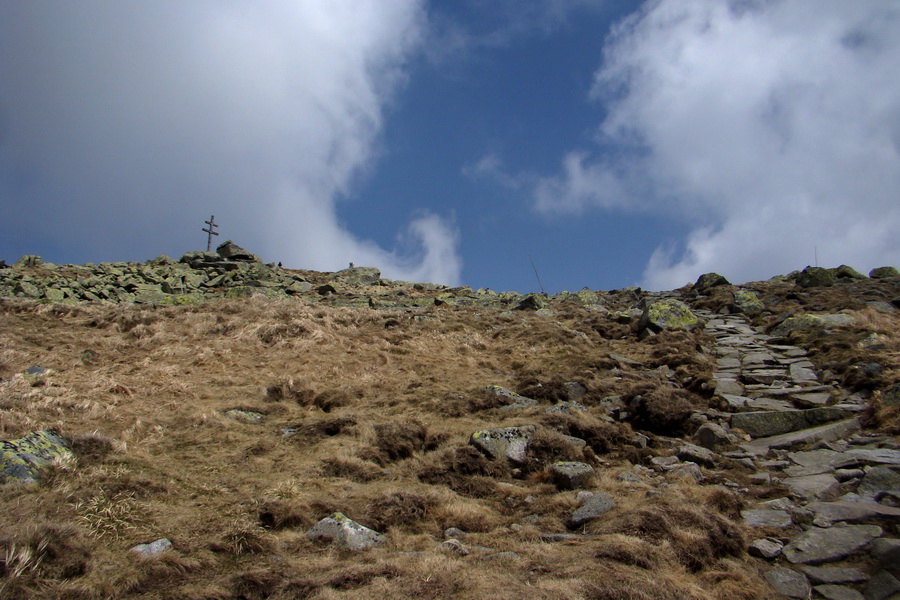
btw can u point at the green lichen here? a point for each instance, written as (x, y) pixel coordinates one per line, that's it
(24, 459)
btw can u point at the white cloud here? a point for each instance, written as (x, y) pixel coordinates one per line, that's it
(124, 123)
(773, 127)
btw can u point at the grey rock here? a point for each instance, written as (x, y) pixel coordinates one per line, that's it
(810, 322)
(231, 251)
(828, 432)
(887, 552)
(27, 260)
(838, 592)
(574, 391)
(769, 423)
(567, 407)
(593, 507)
(765, 548)
(882, 586)
(764, 517)
(509, 397)
(820, 575)
(879, 481)
(708, 280)
(800, 374)
(454, 546)
(510, 443)
(248, 416)
(571, 475)
(788, 582)
(811, 400)
(153, 548)
(769, 404)
(712, 436)
(625, 360)
(687, 470)
(828, 513)
(818, 545)
(696, 454)
(747, 302)
(453, 532)
(344, 533)
(814, 487)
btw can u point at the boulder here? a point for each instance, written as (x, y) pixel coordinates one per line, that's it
(28, 260)
(845, 272)
(838, 592)
(882, 586)
(713, 435)
(765, 548)
(879, 482)
(747, 302)
(531, 302)
(810, 322)
(820, 575)
(696, 454)
(231, 251)
(884, 273)
(571, 475)
(508, 397)
(818, 545)
(510, 443)
(24, 459)
(788, 582)
(344, 533)
(668, 314)
(708, 280)
(595, 506)
(815, 277)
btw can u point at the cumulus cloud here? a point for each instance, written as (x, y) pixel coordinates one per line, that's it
(773, 128)
(122, 124)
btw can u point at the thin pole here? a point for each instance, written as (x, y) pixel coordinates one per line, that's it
(536, 275)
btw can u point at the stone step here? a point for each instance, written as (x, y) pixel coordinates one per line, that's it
(769, 423)
(823, 433)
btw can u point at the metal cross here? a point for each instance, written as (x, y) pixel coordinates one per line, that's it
(211, 231)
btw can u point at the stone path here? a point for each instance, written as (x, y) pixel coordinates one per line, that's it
(836, 530)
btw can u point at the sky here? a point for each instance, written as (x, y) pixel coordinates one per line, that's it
(519, 145)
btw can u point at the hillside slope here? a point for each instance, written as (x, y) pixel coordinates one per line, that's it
(231, 424)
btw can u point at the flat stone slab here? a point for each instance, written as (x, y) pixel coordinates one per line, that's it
(728, 386)
(828, 513)
(765, 376)
(595, 506)
(811, 400)
(766, 517)
(813, 462)
(800, 373)
(820, 575)
(838, 592)
(788, 582)
(817, 545)
(769, 404)
(823, 433)
(814, 487)
(769, 423)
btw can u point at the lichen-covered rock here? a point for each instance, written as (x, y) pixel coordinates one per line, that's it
(747, 302)
(884, 273)
(531, 302)
(24, 459)
(510, 443)
(708, 280)
(809, 322)
(345, 533)
(846, 272)
(569, 475)
(668, 314)
(815, 277)
(359, 275)
(28, 260)
(248, 416)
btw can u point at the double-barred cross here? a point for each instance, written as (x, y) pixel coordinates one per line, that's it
(211, 231)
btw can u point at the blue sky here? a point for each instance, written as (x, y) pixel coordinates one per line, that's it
(612, 143)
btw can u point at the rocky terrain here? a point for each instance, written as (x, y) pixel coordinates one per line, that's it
(215, 427)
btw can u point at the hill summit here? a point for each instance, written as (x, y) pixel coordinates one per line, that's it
(217, 427)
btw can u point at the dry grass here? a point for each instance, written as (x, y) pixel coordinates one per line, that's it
(364, 412)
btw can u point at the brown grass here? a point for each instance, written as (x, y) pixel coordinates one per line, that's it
(364, 412)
